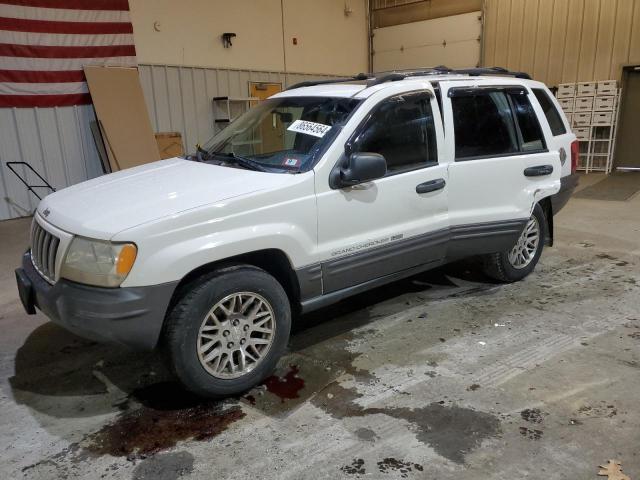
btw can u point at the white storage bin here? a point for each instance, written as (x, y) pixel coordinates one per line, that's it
(602, 118)
(586, 89)
(604, 103)
(606, 87)
(583, 104)
(569, 117)
(583, 133)
(582, 119)
(566, 104)
(566, 90)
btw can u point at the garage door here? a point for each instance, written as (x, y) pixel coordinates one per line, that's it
(452, 41)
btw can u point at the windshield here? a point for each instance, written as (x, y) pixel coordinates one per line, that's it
(280, 134)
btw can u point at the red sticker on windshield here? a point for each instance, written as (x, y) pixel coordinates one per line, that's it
(291, 162)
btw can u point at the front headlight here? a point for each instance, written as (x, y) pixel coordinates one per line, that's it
(96, 262)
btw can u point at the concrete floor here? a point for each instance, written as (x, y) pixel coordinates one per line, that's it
(445, 375)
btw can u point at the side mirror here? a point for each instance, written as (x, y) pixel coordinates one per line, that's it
(363, 167)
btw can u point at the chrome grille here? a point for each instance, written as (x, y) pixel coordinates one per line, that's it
(44, 248)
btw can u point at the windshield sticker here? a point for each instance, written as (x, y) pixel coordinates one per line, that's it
(310, 128)
(291, 162)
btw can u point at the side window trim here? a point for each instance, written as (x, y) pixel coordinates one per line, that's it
(508, 90)
(540, 92)
(486, 90)
(358, 130)
(519, 131)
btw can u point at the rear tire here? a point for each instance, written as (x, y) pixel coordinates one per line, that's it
(520, 260)
(228, 331)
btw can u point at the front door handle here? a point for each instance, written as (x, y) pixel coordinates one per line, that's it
(431, 186)
(538, 171)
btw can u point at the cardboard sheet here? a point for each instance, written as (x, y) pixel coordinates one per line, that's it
(169, 144)
(122, 113)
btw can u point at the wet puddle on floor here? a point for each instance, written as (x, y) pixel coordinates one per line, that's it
(292, 384)
(168, 415)
(287, 387)
(157, 417)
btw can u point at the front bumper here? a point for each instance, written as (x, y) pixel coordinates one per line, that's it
(131, 316)
(567, 186)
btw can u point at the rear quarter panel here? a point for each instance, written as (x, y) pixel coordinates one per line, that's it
(559, 141)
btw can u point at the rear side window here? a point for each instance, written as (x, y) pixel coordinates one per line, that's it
(483, 125)
(401, 129)
(532, 138)
(550, 111)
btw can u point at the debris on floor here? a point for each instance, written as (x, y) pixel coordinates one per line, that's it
(613, 471)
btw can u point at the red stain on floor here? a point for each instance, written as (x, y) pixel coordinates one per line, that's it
(286, 387)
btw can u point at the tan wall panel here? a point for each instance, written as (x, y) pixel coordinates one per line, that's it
(622, 36)
(559, 41)
(634, 44)
(530, 35)
(543, 40)
(590, 26)
(572, 42)
(515, 35)
(502, 34)
(187, 32)
(490, 20)
(604, 46)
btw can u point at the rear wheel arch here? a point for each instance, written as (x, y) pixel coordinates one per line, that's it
(547, 209)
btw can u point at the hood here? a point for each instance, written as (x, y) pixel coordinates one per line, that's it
(106, 205)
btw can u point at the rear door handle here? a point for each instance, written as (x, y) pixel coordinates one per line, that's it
(538, 171)
(431, 186)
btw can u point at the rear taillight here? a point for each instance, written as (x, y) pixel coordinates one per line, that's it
(575, 153)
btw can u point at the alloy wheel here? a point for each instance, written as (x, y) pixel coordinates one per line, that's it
(236, 335)
(525, 249)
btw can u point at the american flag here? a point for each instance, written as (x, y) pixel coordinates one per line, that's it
(45, 43)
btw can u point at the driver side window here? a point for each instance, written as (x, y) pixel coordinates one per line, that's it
(401, 129)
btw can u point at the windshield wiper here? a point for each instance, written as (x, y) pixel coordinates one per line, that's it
(238, 160)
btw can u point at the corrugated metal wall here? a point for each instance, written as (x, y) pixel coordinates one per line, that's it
(180, 98)
(58, 143)
(562, 41)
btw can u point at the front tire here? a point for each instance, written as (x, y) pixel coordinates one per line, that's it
(520, 260)
(228, 331)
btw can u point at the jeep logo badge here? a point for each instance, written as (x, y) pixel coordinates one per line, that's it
(46, 212)
(563, 155)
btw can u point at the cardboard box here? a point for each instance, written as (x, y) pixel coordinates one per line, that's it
(582, 119)
(602, 118)
(586, 89)
(566, 90)
(566, 104)
(604, 103)
(583, 104)
(169, 144)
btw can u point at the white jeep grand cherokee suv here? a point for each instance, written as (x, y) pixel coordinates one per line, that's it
(320, 192)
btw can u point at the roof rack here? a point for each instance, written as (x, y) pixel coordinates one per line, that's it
(473, 72)
(311, 83)
(441, 69)
(397, 75)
